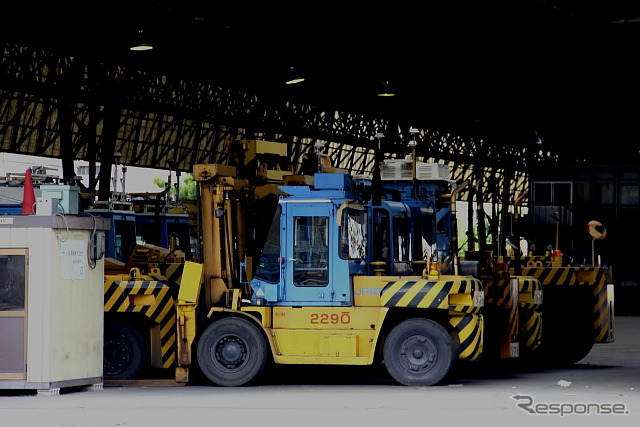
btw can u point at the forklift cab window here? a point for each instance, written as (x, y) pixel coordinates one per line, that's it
(311, 250)
(444, 232)
(144, 233)
(402, 233)
(269, 261)
(425, 235)
(180, 230)
(381, 235)
(125, 239)
(353, 234)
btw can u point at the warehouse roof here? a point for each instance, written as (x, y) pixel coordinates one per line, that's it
(560, 72)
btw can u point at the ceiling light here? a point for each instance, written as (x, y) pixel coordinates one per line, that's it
(294, 80)
(385, 89)
(140, 43)
(293, 77)
(141, 46)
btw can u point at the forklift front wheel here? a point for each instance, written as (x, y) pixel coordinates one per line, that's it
(232, 352)
(419, 352)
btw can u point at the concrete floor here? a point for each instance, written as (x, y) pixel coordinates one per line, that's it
(606, 381)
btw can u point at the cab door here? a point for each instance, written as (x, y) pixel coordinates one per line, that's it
(310, 249)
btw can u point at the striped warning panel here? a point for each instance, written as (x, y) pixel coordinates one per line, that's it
(529, 292)
(567, 276)
(173, 271)
(455, 294)
(597, 277)
(530, 329)
(603, 315)
(502, 295)
(529, 261)
(498, 292)
(470, 329)
(530, 312)
(150, 298)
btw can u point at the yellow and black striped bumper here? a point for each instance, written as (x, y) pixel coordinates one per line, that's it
(152, 299)
(595, 277)
(457, 294)
(470, 330)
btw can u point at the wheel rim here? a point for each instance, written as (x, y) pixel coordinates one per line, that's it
(116, 356)
(231, 352)
(418, 354)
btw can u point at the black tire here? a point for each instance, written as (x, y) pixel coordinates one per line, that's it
(232, 352)
(567, 344)
(419, 352)
(567, 325)
(125, 352)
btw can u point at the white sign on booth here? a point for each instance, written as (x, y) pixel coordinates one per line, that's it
(72, 260)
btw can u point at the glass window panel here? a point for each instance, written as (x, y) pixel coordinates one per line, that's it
(311, 251)
(353, 234)
(630, 194)
(12, 282)
(269, 261)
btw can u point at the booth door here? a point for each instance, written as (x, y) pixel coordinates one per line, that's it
(13, 281)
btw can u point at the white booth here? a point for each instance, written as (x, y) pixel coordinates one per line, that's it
(51, 301)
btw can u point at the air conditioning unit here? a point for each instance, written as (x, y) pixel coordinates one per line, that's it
(396, 169)
(432, 171)
(402, 170)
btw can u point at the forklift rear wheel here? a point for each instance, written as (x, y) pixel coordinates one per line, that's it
(419, 352)
(232, 352)
(125, 352)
